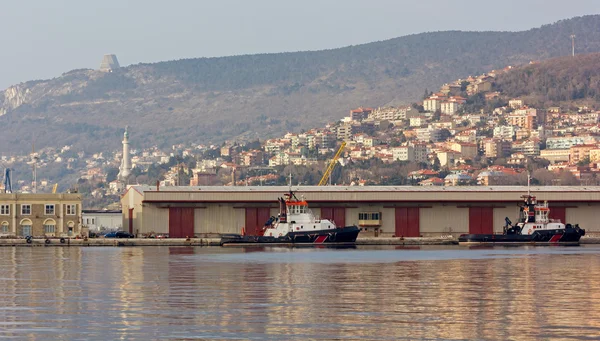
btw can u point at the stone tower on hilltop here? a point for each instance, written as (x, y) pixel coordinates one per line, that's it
(109, 63)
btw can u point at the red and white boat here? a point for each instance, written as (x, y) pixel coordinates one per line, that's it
(296, 224)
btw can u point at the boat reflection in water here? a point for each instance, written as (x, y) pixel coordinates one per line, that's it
(383, 293)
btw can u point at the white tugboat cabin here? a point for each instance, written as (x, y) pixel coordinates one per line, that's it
(534, 216)
(295, 216)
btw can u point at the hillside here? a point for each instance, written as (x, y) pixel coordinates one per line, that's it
(209, 100)
(554, 82)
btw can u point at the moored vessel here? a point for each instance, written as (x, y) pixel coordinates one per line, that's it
(296, 224)
(533, 226)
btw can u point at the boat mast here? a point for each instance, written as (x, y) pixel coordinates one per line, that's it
(528, 184)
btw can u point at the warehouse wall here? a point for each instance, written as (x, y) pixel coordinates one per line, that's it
(510, 210)
(435, 217)
(444, 220)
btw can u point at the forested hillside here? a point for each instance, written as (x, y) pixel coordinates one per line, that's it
(209, 100)
(555, 81)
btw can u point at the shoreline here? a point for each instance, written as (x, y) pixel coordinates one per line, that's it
(99, 242)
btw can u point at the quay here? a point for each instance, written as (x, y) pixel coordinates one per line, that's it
(385, 213)
(133, 242)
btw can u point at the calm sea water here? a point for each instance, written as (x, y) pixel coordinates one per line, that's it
(404, 293)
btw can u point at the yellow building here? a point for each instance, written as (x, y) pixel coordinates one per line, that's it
(52, 215)
(595, 155)
(580, 152)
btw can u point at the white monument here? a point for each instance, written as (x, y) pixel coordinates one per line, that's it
(125, 168)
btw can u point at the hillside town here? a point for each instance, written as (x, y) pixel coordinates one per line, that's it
(467, 133)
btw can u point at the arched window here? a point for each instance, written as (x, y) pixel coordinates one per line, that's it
(49, 226)
(71, 228)
(26, 227)
(4, 227)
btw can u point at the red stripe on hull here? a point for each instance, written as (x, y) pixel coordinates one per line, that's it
(555, 238)
(320, 239)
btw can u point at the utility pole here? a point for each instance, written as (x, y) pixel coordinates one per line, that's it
(573, 44)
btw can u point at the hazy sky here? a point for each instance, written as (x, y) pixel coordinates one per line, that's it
(43, 38)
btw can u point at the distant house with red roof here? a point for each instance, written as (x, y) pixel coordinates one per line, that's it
(423, 174)
(435, 181)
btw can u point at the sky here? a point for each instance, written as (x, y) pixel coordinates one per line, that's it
(41, 39)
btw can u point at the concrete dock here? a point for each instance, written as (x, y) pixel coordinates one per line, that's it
(594, 239)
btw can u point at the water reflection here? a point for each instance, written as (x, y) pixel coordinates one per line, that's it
(384, 293)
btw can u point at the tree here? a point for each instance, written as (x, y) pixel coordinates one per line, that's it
(463, 86)
(427, 93)
(419, 107)
(111, 174)
(445, 134)
(584, 162)
(436, 164)
(543, 177)
(568, 179)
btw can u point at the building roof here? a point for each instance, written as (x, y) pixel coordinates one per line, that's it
(284, 189)
(200, 196)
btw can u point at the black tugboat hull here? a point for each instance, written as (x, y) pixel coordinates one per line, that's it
(569, 236)
(344, 235)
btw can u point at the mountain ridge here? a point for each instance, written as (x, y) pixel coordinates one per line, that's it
(213, 99)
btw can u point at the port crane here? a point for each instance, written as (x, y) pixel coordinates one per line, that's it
(332, 164)
(7, 182)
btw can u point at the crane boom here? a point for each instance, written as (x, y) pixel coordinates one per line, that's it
(7, 182)
(332, 165)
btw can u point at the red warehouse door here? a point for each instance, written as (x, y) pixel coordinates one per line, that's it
(335, 214)
(256, 217)
(481, 220)
(181, 222)
(407, 222)
(558, 213)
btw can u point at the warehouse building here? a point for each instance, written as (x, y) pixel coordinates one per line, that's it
(408, 211)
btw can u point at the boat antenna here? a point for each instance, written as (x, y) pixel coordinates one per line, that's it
(528, 184)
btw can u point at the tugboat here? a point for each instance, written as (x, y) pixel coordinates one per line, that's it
(296, 224)
(533, 227)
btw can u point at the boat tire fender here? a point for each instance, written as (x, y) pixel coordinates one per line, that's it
(28, 240)
(47, 241)
(62, 240)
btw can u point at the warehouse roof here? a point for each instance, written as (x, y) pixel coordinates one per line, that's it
(283, 189)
